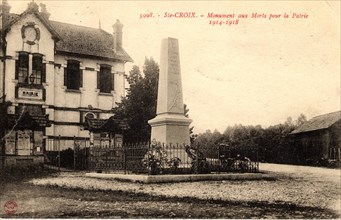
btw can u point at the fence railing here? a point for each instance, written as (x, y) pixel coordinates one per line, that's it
(172, 159)
(155, 158)
(72, 153)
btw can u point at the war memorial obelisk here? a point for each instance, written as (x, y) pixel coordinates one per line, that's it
(170, 126)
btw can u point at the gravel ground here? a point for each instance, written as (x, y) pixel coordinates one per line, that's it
(299, 186)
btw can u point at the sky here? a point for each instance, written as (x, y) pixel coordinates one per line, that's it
(259, 71)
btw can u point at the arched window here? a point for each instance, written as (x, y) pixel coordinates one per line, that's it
(89, 115)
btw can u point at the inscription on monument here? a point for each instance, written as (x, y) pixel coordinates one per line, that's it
(173, 55)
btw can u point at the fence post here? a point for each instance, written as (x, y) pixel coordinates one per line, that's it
(257, 161)
(148, 159)
(219, 159)
(124, 159)
(59, 153)
(86, 162)
(74, 152)
(196, 159)
(106, 160)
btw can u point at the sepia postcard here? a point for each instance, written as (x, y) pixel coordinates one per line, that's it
(170, 109)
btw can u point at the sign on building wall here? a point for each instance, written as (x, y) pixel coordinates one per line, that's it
(96, 139)
(118, 140)
(26, 93)
(24, 142)
(105, 139)
(10, 143)
(38, 142)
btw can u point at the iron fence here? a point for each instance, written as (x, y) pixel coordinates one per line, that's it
(71, 153)
(127, 158)
(152, 158)
(172, 159)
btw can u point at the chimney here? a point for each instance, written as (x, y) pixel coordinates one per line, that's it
(33, 7)
(4, 13)
(117, 34)
(44, 12)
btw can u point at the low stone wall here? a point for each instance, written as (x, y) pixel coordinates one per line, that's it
(21, 161)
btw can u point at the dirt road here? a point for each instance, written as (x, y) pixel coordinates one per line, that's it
(304, 172)
(298, 193)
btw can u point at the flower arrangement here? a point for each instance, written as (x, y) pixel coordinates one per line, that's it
(156, 159)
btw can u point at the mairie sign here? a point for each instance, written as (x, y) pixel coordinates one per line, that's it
(27, 93)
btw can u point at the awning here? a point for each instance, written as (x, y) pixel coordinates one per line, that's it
(27, 121)
(105, 125)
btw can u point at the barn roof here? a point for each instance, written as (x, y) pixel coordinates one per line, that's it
(319, 122)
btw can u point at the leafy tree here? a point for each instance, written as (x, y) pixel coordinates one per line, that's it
(140, 103)
(208, 138)
(273, 143)
(192, 136)
(301, 120)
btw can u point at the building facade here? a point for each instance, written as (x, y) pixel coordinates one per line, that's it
(56, 75)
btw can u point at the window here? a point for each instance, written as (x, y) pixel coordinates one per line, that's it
(73, 75)
(22, 68)
(105, 79)
(37, 69)
(23, 73)
(89, 116)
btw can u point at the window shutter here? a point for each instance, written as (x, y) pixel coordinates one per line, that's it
(43, 73)
(16, 69)
(80, 78)
(112, 81)
(98, 80)
(65, 76)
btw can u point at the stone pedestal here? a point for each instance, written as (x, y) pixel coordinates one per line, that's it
(170, 126)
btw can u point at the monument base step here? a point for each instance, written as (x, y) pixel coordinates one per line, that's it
(181, 178)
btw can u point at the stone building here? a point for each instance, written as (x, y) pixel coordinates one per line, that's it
(55, 75)
(319, 138)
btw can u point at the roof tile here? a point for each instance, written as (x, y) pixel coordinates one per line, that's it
(83, 40)
(319, 122)
(87, 41)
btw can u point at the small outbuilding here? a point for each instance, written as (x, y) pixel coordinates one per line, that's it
(319, 138)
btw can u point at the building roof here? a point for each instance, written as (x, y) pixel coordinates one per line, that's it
(87, 41)
(14, 18)
(319, 122)
(77, 39)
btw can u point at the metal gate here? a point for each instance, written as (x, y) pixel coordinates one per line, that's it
(125, 159)
(71, 154)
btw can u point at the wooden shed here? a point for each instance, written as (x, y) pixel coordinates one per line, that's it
(319, 138)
